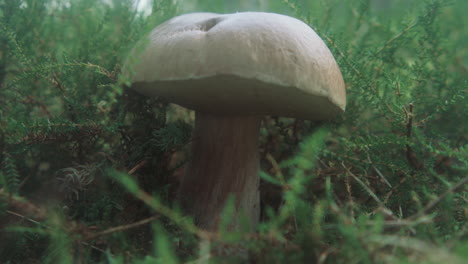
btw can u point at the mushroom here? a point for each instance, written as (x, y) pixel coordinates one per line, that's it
(232, 69)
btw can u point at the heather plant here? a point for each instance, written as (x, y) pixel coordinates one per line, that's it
(89, 169)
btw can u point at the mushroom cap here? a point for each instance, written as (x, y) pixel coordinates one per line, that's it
(249, 63)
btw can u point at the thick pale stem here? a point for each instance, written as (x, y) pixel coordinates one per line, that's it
(224, 162)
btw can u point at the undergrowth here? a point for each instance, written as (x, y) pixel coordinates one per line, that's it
(89, 169)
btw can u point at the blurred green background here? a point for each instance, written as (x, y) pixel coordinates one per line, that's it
(89, 169)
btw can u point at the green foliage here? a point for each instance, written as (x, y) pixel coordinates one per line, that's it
(172, 136)
(9, 177)
(86, 165)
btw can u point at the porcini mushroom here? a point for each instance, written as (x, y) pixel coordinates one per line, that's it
(232, 69)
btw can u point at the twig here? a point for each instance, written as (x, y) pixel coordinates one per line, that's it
(24, 217)
(55, 80)
(102, 70)
(43, 136)
(409, 125)
(389, 193)
(25, 207)
(276, 168)
(121, 228)
(378, 171)
(397, 36)
(96, 248)
(137, 167)
(47, 227)
(410, 155)
(428, 253)
(107, 156)
(23, 181)
(371, 193)
(35, 102)
(350, 195)
(439, 199)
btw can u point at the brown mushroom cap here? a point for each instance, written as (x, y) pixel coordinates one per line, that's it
(243, 63)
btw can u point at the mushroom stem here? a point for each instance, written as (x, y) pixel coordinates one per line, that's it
(224, 162)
